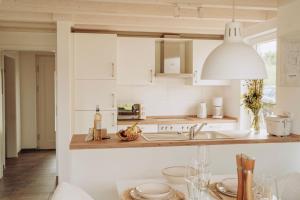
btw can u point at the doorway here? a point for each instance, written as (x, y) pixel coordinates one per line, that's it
(28, 102)
(28, 109)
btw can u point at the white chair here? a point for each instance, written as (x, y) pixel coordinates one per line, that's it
(289, 187)
(66, 191)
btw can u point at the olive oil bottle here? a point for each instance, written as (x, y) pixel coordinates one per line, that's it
(97, 124)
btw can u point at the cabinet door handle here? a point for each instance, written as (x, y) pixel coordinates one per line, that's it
(113, 119)
(151, 76)
(113, 99)
(195, 76)
(113, 69)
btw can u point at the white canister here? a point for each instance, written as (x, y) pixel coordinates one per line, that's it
(279, 125)
(202, 111)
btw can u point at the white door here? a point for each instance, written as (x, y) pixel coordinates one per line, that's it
(46, 101)
(136, 61)
(95, 56)
(2, 117)
(89, 93)
(201, 49)
(10, 107)
(84, 120)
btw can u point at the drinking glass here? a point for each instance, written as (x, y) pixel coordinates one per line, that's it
(197, 177)
(265, 188)
(204, 179)
(192, 180)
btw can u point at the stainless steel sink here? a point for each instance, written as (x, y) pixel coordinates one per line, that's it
(165, 136)
(176, 136)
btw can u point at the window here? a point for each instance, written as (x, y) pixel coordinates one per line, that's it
(267, 50)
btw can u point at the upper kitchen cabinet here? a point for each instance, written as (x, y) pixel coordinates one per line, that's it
(89, 93)
(136, 61)
(95, 56)
(201, 49)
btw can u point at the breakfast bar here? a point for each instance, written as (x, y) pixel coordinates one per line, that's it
(142, 159)
(78, 141)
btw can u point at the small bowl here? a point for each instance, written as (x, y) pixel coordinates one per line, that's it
(154, 190)
(175, 174)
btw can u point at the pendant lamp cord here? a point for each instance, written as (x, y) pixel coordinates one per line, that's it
(233, 10)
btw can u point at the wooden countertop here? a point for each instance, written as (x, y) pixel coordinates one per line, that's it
(177, 120)
(78, 142)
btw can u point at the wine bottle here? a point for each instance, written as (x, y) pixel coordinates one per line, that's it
(97, 119)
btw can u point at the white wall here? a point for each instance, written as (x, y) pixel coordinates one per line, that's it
(169, 96)
(26, 41)
(289, 26)
(28, 100)
(2, 137)
(64, 74)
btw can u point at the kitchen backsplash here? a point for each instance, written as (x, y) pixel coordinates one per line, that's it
(169, 96)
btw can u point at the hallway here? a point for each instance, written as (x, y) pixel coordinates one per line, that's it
(31, 176)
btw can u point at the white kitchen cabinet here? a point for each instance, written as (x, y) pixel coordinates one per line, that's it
(83, 120)
(201, 49)
(146, 128)
(89, 93)
(136, 61)
(95, 56)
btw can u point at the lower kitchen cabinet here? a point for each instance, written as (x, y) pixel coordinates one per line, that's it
(83, 120)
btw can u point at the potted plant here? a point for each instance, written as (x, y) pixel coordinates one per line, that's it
(252, 100)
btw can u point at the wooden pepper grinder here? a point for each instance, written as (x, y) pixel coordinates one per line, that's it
(245, 168)
(248, 174)
(240, 174)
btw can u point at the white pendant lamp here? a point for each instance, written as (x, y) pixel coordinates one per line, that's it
(233, 59)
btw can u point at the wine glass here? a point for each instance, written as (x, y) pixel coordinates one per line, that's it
(265, 188)
(202, 156)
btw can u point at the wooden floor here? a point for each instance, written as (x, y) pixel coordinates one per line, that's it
(31, 176)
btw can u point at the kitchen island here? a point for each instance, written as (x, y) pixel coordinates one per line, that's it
(98, 166)
(78, 142)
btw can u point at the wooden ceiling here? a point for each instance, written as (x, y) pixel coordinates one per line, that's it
(184, 16)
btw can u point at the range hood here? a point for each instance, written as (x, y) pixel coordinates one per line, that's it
(172, 56)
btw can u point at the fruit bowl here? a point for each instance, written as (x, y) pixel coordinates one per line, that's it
(130, 134)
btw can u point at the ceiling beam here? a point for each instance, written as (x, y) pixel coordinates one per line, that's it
(240, 4)
(135, 10)
(149, 34)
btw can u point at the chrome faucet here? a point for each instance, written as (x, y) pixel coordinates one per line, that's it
(194, 131)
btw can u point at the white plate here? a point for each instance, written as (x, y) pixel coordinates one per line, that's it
(220, 187)
(134, 194)
(153, 190)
